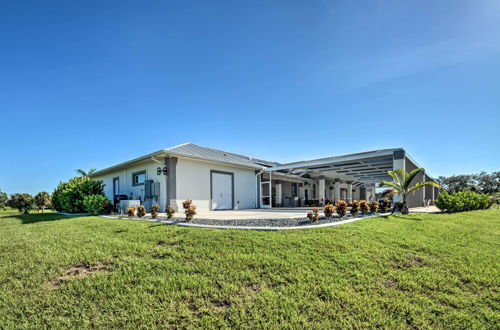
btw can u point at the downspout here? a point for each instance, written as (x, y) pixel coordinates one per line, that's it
(164, 163)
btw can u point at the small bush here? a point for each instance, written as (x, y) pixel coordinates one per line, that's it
(314, 215)
(364, 207)
(375, 206)
(170, 212)
(24, 203)
(94, 204)
(462, 201)
(141, 211)
(131, 211)
(107, 208)
(384, 206)
(189, 209)
(154, 211)
(341, 208)
(329, 209)
(354, 207)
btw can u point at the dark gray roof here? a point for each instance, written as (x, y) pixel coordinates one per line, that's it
(195, 151)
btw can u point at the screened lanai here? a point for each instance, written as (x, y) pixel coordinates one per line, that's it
(347, 177)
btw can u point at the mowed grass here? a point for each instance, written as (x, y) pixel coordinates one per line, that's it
(412, 271)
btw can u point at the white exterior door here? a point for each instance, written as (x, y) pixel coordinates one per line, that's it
(222, 191)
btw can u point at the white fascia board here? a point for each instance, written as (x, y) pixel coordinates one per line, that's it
(206, 160)
(331, 160)
(127, 163)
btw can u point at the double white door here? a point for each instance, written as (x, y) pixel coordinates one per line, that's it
(222, 191)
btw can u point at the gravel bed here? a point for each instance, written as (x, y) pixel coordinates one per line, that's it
(283, 222)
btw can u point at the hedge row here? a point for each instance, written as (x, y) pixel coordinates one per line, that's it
(463, 201)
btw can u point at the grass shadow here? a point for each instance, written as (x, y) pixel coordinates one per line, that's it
(400, 216)
(38, 217)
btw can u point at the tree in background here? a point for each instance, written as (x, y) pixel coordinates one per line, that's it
(24, 203)
(402, 186)
(4, 199)
(42, 200)
(483, 182)
(84, 173)
(487, 183)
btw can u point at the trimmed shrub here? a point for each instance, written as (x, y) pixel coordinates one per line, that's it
(141, 211)
(154, 211)
(131, 211)
(329, 209)
(24, 203)
(341, 208)
(170, 212)
(374, 206)
(384, 206)
(462, 201)
(68, 196)
(107, 207)
(94, 204)
(354, 207)
(364, 207)
(189, 209)
(314, 215)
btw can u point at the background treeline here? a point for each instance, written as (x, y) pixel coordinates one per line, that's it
(483, 182)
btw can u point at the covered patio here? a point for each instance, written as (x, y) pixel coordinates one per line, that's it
(326, 180)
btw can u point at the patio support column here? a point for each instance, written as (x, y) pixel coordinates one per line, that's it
(423, 190)
(336, 186)
(373, 193)
(321, 188)
(349, 191)
(398, 161)
(278, 194)
(270, 190)
(433, 189)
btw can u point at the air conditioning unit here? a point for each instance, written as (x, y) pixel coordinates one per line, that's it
(148, 189)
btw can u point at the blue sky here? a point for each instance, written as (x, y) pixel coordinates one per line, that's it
(92, 83)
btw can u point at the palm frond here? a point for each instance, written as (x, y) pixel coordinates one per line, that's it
(81, 172)
(392, 185)
(423, 184)
(397, 175)
(410, 176)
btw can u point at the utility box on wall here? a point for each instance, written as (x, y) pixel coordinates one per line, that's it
(151, 189)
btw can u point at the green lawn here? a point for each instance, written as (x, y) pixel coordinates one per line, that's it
(413, 271)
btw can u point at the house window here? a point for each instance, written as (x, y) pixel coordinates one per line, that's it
(294, 189)
(138, 178)
(314, 191)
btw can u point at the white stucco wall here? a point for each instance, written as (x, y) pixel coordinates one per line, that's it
(193, 182)
(125, 184)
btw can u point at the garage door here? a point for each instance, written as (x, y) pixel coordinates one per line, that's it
(222, 191)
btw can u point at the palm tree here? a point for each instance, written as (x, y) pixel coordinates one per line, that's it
(402, 186)
(83, 173)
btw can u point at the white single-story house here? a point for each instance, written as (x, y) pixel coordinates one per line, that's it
(219, 180)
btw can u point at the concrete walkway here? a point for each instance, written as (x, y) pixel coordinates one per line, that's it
(423, 209)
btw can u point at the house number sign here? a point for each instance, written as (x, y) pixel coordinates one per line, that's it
(160, 170)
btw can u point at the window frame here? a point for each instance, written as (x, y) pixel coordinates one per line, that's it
(136, 174)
